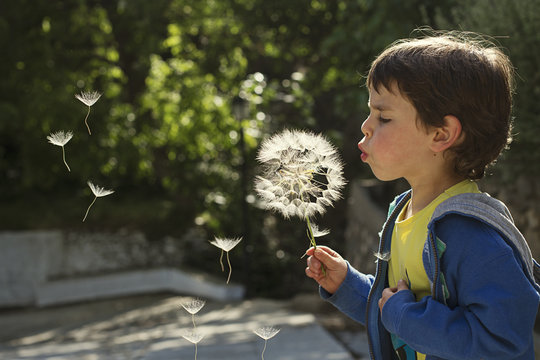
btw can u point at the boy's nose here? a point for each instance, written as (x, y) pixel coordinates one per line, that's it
(365, 128)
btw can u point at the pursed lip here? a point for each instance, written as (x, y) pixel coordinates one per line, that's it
(364, 154)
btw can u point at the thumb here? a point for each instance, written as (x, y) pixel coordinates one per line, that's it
(326, 256)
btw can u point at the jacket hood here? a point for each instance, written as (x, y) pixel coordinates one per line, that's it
(496, 214)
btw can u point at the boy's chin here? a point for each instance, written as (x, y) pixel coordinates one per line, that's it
(385, 177)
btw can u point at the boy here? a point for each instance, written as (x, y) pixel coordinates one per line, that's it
(455, 279)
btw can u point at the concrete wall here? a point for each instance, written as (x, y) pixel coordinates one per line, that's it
(364, 222)
(26, 259)
(51, 267)
(522, 196)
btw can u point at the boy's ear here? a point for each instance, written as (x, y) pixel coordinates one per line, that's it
(447, 135)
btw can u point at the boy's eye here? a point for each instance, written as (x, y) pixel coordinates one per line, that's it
(383, 120)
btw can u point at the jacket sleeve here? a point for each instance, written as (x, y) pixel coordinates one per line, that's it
(351, 297)
(494, 304)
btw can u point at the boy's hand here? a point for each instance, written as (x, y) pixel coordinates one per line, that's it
(334, 265)
(389, 292)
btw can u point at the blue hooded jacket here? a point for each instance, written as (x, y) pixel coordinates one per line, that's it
(484, 282)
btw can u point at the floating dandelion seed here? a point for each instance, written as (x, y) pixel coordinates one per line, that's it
(226, 245)
(61, 138)
(266, 333)
(88, 98)
(316, 233)
(98, 192)
(193, 306)
(302, 174)
(319, 232)
(194, 337)
(382, 256)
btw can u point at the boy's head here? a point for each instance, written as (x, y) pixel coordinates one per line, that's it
(450, 75)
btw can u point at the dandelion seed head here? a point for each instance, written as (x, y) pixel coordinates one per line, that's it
(98, 190)
(266, 332)
(193, 306)
(194, 336)
(225, 244)
(60, 138)
(88, 98)
(302, 174)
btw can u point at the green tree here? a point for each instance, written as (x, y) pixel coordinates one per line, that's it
(164, 134)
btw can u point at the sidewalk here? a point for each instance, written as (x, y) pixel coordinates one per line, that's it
(151, 327)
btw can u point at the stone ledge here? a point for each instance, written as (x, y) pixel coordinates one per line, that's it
(132, 283)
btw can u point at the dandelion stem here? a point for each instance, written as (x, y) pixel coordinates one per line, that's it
(264, 349)
(195, 351)
(88, 127)
(230, 268)
(313, 242)
(221, 261)
(310, 233)
(193, 320)
(64, 157)
(87, 210)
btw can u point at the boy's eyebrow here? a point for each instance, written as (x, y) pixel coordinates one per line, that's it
(379, 107)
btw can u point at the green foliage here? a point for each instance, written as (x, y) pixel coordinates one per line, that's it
(164, 135)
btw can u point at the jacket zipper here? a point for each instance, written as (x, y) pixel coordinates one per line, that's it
(436, 262)
(394, 213)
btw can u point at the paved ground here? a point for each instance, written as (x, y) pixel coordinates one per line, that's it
(151, 327)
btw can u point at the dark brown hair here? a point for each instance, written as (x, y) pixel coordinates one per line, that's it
(454, 74)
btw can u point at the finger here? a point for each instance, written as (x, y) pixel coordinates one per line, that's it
(402, 285)
(309, 251)
(313, 274)
(313, 264)
(312, 250)
(327, 250)
(310, 273)
(327, 256)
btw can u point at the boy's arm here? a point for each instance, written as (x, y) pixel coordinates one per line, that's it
(496, 304)
(351, 296)
(339, 283)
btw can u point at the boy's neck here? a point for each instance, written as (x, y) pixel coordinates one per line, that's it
(424, 193)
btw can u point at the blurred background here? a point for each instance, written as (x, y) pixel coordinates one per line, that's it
(190, 89)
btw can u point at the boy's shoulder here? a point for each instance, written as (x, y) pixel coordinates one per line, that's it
(483, 223)
(478, 213)
(480, 205)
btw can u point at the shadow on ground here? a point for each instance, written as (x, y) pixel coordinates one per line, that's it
(151, 327)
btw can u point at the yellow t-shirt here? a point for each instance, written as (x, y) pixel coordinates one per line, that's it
(408, 240)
